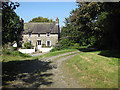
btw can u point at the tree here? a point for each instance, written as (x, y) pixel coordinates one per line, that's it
(41, 19)
(11, 25)
(94, 23)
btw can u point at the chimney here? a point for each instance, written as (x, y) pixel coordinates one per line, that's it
(57, 21)
(22, 21)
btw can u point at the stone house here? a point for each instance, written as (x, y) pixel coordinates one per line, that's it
(41, 34)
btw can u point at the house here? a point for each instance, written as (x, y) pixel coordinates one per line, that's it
(41, 34)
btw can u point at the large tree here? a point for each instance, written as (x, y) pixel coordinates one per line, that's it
(94, 23)
(11, 24)
(41, 19)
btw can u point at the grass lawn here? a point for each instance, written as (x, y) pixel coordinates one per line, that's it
(7, 58)
(93, 70)
(15, 56)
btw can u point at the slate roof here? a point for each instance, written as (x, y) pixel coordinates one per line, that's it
(40, 27)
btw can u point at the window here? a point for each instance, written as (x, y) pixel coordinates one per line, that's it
(39, 42)
(48, 34)
(38, 35)
(29, 35)
(48, 43)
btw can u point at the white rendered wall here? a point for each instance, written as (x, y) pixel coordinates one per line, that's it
(27, 50)
(45, 49)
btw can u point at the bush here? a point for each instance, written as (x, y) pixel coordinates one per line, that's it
(5, 51)
(28, 45)
(76, 45)
(14, 53)
(14, 48)
(46, 46)
(54, 49)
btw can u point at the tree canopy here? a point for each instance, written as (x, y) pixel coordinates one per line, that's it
(93, 23)
(11, 25)
(41, 19)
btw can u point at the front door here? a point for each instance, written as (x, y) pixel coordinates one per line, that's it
(39, 44)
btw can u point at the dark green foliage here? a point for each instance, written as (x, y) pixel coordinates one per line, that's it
(93, 23)
(14, 53)
(28, 45)
(109, 53)
(41, 19)
(11, 25)
(44, 45)
(17, 53)
(14, 48)
(54, 49)
(76, 45)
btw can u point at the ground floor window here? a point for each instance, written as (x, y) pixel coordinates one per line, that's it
(39, 42)
(48, 43)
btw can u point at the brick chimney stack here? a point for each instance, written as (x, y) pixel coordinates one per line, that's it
(22, 21)
(57, 21)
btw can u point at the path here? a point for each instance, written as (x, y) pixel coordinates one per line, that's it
(43, 73)
(60, 79)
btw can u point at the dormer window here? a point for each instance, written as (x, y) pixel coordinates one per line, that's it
(29, 35)
(38, 35)
(48, 34)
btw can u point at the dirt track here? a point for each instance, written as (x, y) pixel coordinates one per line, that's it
(43, 73)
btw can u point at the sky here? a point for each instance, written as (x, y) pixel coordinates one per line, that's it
(51, 10)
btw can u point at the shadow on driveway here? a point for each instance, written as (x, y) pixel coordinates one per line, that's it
(27, 73)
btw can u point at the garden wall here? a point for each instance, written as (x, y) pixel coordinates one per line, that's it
(27, 50)
(45, 49)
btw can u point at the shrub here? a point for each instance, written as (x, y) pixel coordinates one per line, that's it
(43, 45)
(28, 45)
(14, 53)
(5, 51)
(46, 46)
(17, 53)
(14, 48)
(76, 45)
(54, 49)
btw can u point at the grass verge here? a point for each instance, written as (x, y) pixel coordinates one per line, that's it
(14, 56)
(57, 53)
(93, 70)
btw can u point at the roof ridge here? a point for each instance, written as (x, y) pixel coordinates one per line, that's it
(40, 23)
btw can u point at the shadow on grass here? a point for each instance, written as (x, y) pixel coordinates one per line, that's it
(88, 49)
(106, 53)
(27, 73)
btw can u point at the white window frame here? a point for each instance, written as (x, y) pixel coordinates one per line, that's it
(29, 34)
(47, 34)
(47, 41)
(38, 34)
